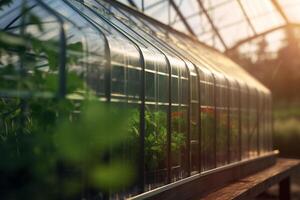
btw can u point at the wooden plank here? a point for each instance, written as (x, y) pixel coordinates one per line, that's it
(254, 185)
(201, 184)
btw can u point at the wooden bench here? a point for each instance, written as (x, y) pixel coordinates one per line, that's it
(253, 185)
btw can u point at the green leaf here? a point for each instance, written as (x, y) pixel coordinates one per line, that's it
(113, 176)
(5, 3)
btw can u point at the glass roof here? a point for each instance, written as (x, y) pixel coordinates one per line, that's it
(225, 24)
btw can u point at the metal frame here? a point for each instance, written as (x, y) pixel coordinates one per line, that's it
(192, 186)
(198, 82)
(142, 108)
(204, 10)
(170, 105)
(169, 124)
(107, 55)
(62, 55)
(262, 34)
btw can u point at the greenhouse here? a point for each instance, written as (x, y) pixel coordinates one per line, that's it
(193, 109)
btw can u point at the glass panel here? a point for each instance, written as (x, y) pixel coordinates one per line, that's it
(179, 99)
(254, 130)
(194, 124)
(244, 122)
(208, 123)
(270, 123)
(155, 146)
(34, 72)
(261, 122)
(179, 123)
(234, 122)
(157, 81)
(222, 122)
(123, 72)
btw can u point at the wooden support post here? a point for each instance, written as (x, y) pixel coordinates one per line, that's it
(284, 189)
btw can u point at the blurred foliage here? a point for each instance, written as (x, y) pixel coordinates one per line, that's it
(287, 130)
(280, 71)
(53, 151)
(5, 3)
(50, 147)
(282, 112)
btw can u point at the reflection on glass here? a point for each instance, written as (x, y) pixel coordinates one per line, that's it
(222, 124)
(208, 122)
(234, 123)
(244, 123)
(253, 122)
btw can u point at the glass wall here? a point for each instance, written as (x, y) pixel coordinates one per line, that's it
(39, 41)
(264, 136)
(194, 121)
(234, 141)
(222, 129)
(156, 121)
(180, 102)
(244, 123)
(208, 122)
(179, 116)
(115, 77)
(254, 131)
(269, 123)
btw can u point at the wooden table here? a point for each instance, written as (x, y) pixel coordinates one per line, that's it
(253, 185)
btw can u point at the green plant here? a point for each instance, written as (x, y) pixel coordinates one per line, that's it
(55, 148)
(156, 137)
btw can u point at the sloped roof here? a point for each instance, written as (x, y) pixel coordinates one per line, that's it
(225, 24)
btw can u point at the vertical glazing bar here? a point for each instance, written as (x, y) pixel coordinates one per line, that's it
(141, 157)
(240, 121)
(272, 121)
(199, 119)
(107, 75)
(188, 147)
(267, 135)
(169, 128)
(259, 105)
(248, 121)
(228, 121)
(215, 121)
(62, 65)
(62, 54)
